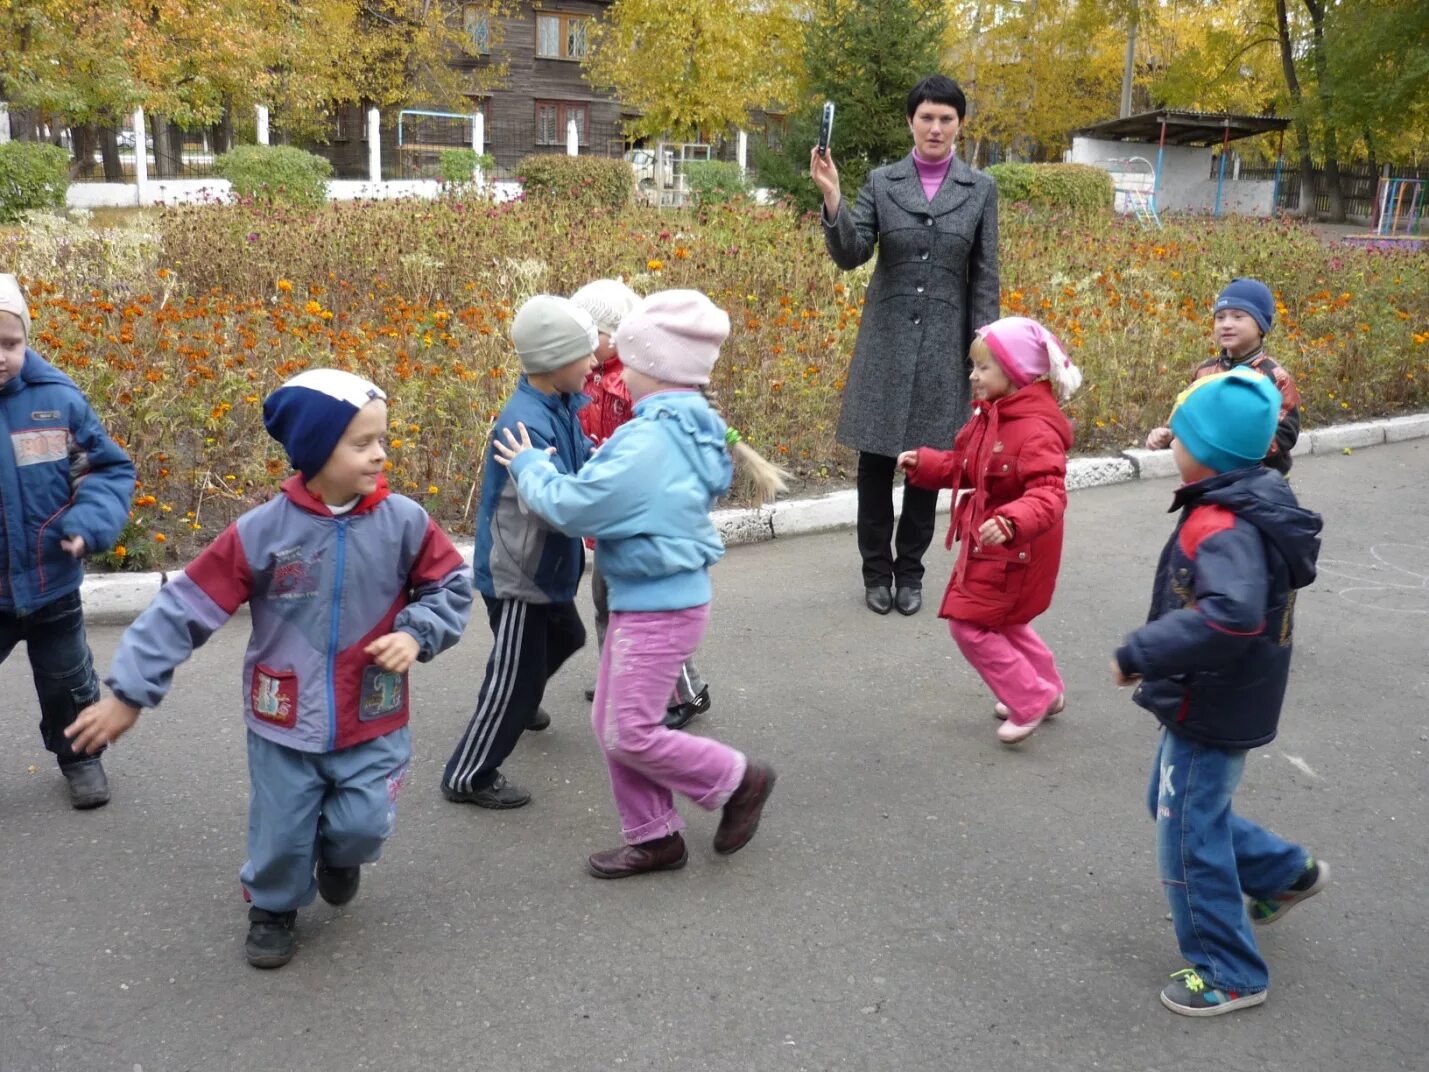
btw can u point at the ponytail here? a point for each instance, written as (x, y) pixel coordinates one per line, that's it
(759, 478)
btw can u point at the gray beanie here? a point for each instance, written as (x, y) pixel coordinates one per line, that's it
(550, 333)
(12, 300)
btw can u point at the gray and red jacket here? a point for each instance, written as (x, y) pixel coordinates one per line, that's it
(321, 588)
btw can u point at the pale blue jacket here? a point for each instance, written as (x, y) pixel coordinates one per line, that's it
(646, 497)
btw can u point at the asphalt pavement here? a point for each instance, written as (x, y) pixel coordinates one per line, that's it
(918, 897)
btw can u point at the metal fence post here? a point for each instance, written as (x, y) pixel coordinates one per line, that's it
(141, 158)
(4, 122)
(573, 139)
(262, 124)
(374, 145)
(478, 143)
(741, 152)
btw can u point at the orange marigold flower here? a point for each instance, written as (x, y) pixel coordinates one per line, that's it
(654, 265)
(285, 286)
(159, 537)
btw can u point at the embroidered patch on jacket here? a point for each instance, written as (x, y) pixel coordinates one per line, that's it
(35, 446)
(275, 696)
(383, 693)
(295, 577)
(45, 415)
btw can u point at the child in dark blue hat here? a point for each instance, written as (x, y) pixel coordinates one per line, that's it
(1244, 314)
(1211, 664)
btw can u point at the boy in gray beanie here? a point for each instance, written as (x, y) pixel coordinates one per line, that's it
(526, 570)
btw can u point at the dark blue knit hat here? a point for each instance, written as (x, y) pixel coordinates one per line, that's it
(1250, 296)
(309, 413)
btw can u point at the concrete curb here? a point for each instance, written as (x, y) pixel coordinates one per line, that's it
(117, 598)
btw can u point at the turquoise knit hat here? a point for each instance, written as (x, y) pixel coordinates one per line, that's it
(1227, 421)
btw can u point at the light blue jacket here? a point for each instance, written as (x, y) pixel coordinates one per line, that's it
(646, 497)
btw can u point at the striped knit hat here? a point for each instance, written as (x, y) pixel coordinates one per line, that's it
(309, 413)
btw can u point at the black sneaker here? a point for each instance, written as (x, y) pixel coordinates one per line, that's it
(338, 885)
(590, 694)
(88, 786)
(538, 721)
(678, 717)
(1314, 879)
(500, 795)
(270, 938)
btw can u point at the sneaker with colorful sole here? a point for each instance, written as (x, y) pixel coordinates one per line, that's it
(1267, 910)
(1188, 994)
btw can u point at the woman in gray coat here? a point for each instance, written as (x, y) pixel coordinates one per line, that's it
(934, 222)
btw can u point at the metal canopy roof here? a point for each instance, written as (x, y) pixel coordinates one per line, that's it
(1185, 128)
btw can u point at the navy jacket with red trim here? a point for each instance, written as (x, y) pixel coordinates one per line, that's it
(1214, 654)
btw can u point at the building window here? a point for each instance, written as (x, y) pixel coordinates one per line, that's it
(561, 37)
(551, 120)
(476, 20)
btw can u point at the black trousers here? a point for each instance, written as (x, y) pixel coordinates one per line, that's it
(876, 541)
(532, 641)
(64, 670)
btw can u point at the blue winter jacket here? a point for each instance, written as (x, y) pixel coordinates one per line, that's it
(60, 475)
(1214, 655)
(518, 555)
(646, 497)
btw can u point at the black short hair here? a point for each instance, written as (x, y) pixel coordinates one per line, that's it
(940, 89)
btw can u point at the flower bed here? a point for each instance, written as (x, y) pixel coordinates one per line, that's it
(177, 338)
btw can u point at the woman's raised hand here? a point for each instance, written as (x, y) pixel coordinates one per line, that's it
(826, 178)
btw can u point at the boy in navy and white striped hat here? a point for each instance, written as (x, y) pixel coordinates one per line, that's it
(349, 585)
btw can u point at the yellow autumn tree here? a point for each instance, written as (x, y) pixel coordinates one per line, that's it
(699, 66)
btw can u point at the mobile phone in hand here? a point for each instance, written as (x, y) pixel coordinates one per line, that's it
(826, 128)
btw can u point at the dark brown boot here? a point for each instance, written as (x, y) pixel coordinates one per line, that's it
(741, 814)
(662, 854)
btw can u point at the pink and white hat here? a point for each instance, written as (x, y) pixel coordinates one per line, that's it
(1027, 351)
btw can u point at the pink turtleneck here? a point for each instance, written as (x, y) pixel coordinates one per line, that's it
(931, 173)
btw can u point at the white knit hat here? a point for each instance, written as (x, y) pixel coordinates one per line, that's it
(12, 300)
(607, 301)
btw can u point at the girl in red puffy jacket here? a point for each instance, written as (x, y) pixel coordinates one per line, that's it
(1010, 464)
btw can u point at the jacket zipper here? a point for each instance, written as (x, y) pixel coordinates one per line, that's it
(333, 637)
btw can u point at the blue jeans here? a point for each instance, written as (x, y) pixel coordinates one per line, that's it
(1211, 859)
(305, 807)
(62, 665)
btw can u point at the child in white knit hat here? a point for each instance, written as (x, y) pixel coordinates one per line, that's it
(608, 301)
(646, 498)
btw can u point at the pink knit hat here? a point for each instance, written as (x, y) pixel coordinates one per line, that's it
(674, 336)
(1027, 351)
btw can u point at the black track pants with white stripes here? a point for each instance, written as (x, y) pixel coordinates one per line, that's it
(532, 641)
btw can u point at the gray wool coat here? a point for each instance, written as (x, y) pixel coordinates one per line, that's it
(935, 281)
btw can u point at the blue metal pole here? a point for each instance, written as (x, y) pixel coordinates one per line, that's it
(1156, 180)
(1221, 176)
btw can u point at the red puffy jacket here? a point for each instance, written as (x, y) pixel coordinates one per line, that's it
(610, 404)
(1012, 459)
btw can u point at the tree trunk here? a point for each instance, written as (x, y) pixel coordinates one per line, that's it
(1327, 104)
(1302, 128)
(109, 154)
(166, 157)
(84, 140)
(222, 133)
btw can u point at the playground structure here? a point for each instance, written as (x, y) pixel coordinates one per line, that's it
(1184, 145)
(1399, 207)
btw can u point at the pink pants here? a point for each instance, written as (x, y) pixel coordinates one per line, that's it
(1017, 666)
(648, 763)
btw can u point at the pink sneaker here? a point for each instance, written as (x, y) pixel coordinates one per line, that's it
(1011, 732)
(1059, 705)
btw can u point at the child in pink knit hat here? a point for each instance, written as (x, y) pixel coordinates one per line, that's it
(646, 498)
(1011, 458)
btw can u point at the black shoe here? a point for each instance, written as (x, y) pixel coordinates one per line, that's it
(88, 787)
(338, 885)
(909, 601)
(539, 721)
(590, 694)
(270, 938)
(879, 598)
(500, 795)
(678, 717)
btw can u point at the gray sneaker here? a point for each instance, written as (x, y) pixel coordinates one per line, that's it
(1312, 880)
(88, 786)
(500, 795)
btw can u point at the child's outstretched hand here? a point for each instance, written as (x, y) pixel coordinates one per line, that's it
(101, 724)
(991, 534)
(395, 651)
(908, 461)
(74, 545)
(1119, 679)
(511, 446)
(1158, 439)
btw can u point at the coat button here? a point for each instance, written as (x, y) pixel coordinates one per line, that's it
(930, 221)
(1022, 555)
(917, 320)
(920, 290)
(923, 255)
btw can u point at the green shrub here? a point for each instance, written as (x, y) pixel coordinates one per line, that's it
(715, 181)
(276, 173)
(458, 166)
(33, 175)
(1079, 187)
(591, 180)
